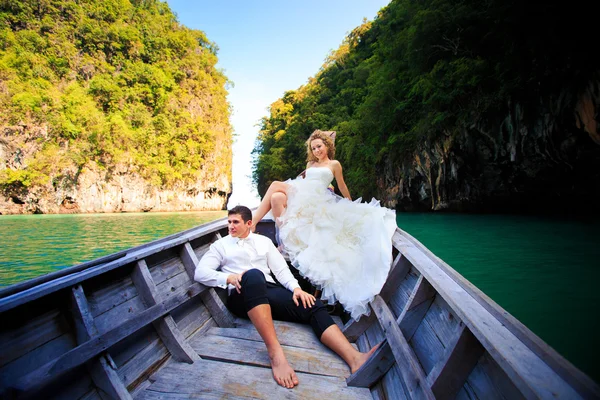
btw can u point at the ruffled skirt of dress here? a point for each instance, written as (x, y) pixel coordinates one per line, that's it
(343, 247)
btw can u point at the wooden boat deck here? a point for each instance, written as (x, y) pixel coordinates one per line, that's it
(136, 325)
(235, 365)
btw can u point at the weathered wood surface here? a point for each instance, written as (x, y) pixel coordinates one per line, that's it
(374, 369)
(208, 379)
(101, 369)
(217, 309)
(191, 316)
(582, 383)
(488, 380)
(417, 306)
(412, 375)
(390, 386)
(255, 353)
(30, 361)
(530, 373)
(288, 333)
(34, 333)
(131, 256)
(96, 345)
(450, 374)
(400, 298)
(213, 302)
(165, 327)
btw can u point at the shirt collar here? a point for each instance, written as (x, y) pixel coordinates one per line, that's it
(247, 239)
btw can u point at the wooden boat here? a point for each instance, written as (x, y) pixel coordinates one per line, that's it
(136, 325)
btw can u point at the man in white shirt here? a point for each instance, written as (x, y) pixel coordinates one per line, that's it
(243, 263)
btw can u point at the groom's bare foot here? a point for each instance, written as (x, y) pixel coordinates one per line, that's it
(362, 358)
(282, 371)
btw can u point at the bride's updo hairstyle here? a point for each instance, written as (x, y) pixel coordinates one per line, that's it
(327, 137)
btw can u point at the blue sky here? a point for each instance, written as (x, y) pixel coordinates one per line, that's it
(265, 48)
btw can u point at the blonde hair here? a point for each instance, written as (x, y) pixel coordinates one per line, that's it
(326, 137)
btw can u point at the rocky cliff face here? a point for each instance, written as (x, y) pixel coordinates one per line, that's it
(543, 157)
(92, 189)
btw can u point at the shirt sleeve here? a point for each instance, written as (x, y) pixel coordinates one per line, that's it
(280, 269)
(206, 271)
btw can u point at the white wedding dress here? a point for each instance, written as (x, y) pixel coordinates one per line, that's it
(343, 247)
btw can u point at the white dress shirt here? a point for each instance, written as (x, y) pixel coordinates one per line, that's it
(235, 256)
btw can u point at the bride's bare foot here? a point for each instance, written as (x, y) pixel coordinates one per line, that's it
(362, 358)
(282, 371)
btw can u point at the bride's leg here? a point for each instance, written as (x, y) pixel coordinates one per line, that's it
(278, 204)
(265, 204)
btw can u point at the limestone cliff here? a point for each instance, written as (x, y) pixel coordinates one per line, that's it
(93, 189)
(534, 158)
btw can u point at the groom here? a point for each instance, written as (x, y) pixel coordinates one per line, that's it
(243, 263)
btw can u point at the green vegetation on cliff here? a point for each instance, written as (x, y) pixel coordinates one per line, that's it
(426, 70)
(110, 82)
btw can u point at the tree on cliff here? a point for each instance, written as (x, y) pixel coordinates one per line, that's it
(109, 82)
(429, 70)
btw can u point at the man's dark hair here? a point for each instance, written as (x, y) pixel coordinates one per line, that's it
(243, 211)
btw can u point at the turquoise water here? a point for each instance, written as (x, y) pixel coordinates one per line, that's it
(544, 271)
(32, 245)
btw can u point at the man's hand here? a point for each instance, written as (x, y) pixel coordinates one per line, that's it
(301, 296)
(235, 280)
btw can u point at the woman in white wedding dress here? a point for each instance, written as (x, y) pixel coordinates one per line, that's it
(343, 247)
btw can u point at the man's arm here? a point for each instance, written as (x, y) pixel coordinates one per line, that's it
(206, 270)
(280, 269)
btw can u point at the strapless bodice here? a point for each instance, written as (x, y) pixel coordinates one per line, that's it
(322, 175)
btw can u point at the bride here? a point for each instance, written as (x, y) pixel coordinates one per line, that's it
(343, 247)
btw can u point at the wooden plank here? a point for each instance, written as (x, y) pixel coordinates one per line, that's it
(255, 353)
(426, 346)
(173, 285)
(444, 322)
(82, 317)
(393, 386)
(111, 295)
(165, 327)
(416, 308)
(400, 267)
(191, 316)
(488, 380)
(126, 349)
(531, 375)
(101, 370)
(211, 300)
(215, 380)
(166, 270)
(374, 369)
(412, 375)
(19, 341)
(451, 373)
(132, 255)
(400, 298)
(201, 250)
(582, 383)
(144, 363)
(107, 380)
(288, 333)
(119, 315)
(95, 346)
(34, 359)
